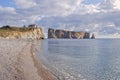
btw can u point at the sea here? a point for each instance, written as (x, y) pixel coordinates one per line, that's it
(80, 59)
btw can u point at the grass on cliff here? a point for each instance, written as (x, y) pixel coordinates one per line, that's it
(5, 30)
(9, 28)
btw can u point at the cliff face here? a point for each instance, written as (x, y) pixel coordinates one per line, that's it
(34, 33)
(67, 34)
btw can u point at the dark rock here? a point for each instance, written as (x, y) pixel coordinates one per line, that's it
(93, 36)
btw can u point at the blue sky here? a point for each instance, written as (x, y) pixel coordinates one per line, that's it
(93, 1)
(11, 3)
(100, 17)
(7, 3)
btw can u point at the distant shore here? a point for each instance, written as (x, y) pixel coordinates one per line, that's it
(17, 61)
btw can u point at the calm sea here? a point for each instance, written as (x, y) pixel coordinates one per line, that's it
(83, 59)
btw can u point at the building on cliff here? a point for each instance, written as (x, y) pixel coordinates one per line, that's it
(52, 33)
(33, 26)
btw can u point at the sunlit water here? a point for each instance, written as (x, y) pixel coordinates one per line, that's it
(89, 59)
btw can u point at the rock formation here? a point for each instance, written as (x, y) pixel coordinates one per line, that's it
(52, 33)
(36, 33)
(31, 33)
(93, 36)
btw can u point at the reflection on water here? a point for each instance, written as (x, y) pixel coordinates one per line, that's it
(82, 59)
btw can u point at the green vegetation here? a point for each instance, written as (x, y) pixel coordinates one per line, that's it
(9, 28)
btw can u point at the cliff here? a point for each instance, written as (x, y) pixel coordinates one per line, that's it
(22, 33)
(52, 33)
(36, 33)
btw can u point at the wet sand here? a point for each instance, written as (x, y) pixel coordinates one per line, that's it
(17, 61)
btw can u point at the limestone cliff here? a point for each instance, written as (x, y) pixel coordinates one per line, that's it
(36, 33)
(52, 33)
(32, 33)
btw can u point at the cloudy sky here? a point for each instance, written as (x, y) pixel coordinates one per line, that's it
(102, 17)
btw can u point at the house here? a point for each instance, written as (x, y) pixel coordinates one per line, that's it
(33, 26)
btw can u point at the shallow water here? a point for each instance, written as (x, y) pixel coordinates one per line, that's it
(84, 59)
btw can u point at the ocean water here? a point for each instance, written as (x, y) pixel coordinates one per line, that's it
(83, 59)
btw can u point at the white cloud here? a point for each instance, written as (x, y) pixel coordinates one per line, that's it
(7, 9)
(87, 9)
(110, 5)
(116, 4)
(48, 7)
(101, 18)
(25, 3)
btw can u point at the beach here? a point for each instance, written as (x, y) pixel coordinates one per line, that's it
(17, 61)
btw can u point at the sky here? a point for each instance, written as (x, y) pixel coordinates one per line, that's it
(101, 17)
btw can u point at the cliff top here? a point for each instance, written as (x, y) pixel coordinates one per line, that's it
(21, 32)
(10, 28)
(67, 30)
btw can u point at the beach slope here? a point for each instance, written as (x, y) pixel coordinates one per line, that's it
(17, 62)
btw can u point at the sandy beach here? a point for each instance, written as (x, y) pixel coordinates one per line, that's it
(17, 61)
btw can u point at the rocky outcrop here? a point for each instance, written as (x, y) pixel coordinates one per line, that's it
(93, 36)
(36, 33)
(52, 33)
(33, 33)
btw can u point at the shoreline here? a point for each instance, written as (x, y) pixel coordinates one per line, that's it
(45, 74)
(18, 61)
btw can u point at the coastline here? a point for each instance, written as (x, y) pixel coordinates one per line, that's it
(45, 74)
(18, 62)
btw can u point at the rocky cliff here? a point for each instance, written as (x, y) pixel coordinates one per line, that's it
(52, 33)
(31, 33)
(36, 33)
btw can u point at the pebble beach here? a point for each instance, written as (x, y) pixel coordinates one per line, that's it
(17, 61)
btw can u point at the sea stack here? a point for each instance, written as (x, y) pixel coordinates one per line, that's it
(93, 36)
